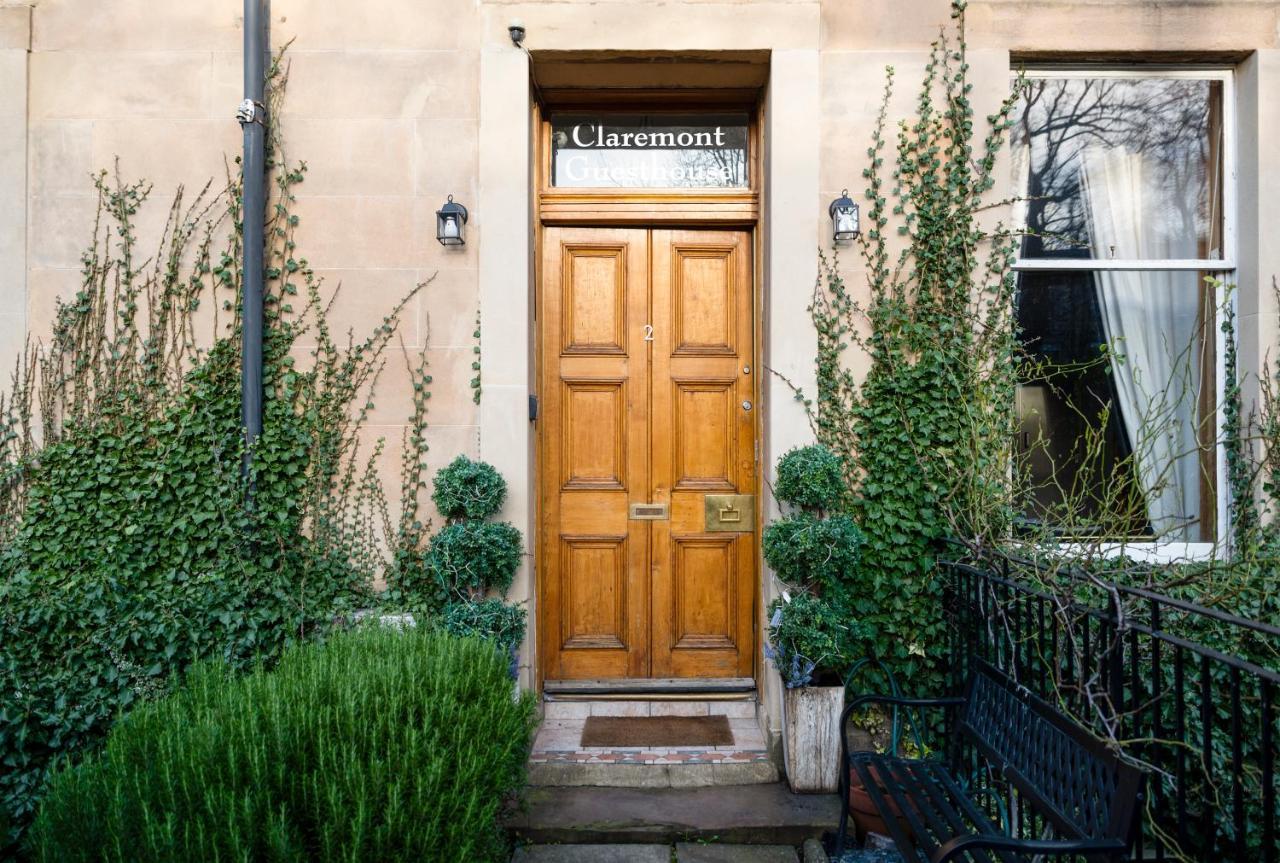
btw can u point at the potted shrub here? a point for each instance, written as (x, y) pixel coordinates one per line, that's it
(814, 550)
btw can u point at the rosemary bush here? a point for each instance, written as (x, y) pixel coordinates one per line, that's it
(378, 744)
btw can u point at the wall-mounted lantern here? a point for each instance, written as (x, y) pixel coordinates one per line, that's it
(844, 218)
(450, 220)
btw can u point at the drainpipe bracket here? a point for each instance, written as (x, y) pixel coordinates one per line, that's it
(249, 111)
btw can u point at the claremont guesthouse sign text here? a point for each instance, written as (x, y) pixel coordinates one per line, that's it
(649, 150)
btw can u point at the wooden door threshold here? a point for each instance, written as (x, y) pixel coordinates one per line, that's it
(653, 686)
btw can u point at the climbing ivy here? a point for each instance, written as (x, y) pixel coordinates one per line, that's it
(924, 435)
(475, 363)
(131, 543)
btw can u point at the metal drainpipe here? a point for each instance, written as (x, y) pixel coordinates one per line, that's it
(253, 119)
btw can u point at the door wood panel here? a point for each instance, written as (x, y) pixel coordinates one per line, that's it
(627, 420)
(594, 611)
(703, 373)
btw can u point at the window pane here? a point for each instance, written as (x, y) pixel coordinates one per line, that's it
(649, 151)
(1120, 168)
(1116, 428)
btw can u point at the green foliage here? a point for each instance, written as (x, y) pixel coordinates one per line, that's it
(469, 489)
(130, 545)
(815, 553)
(475, 364)
(490, 619)
(924, 436)
(379, 744)
(469, 557)
(809, 639)
(472, 557)
(810, 634)
(811, 477)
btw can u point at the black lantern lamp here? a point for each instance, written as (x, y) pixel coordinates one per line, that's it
(450, 220)
(844, 218)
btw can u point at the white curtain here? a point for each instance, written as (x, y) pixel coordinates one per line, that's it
(1149, 319)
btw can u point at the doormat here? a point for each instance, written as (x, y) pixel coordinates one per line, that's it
(657, 731)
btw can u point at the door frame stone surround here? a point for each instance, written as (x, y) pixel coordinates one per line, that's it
(505, 218)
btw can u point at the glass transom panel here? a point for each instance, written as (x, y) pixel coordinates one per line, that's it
(645, 150)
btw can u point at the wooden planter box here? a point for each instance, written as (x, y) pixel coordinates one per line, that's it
(811, 737)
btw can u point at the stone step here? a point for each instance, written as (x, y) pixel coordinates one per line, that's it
(683, 852)
(580, 708)
(688, 852)
(620, 775)
(559, 758)
(763, 814)
(592, 854)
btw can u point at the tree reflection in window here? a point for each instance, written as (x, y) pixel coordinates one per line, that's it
(1175, 123)
(1117, 407)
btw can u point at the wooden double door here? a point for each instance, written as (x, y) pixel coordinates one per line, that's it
(647, 397)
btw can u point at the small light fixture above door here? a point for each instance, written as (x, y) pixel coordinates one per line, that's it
(450, 222)
(844, 218)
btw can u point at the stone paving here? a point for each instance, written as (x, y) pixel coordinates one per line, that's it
(559, 737)
(764, 814)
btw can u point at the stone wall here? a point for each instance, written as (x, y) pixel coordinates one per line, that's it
(387, 105)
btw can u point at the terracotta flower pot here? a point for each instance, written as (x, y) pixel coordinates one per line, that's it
(863, 810)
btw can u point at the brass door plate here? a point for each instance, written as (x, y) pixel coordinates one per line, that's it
(731, 513)
(649, 512)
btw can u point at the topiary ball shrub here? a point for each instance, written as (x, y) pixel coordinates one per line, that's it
(472, 557)
(468, 489)
(380, 744)
(490, 619)
(811, 477)
(807, 551)
(808, 638)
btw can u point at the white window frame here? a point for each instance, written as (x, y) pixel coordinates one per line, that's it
(1223, 268)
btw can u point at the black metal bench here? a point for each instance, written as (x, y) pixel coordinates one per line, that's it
(1084, 793)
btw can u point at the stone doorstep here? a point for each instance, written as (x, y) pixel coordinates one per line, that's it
(634, 775)
(579, 708)
(670, 755)
(558, 758)
(762, 814)
(684, 852)
(565, 736)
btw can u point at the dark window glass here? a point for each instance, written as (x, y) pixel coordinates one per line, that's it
(1116, 428)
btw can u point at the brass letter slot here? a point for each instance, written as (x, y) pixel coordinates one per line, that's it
(730, 513)
(649, 512)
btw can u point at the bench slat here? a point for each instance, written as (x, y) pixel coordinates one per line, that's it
(928, 789)
(969, 817)
(1062, 772)
(900, 839)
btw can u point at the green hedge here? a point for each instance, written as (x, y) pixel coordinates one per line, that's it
(379, 744)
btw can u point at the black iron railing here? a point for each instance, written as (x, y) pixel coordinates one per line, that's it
(1189, 692)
